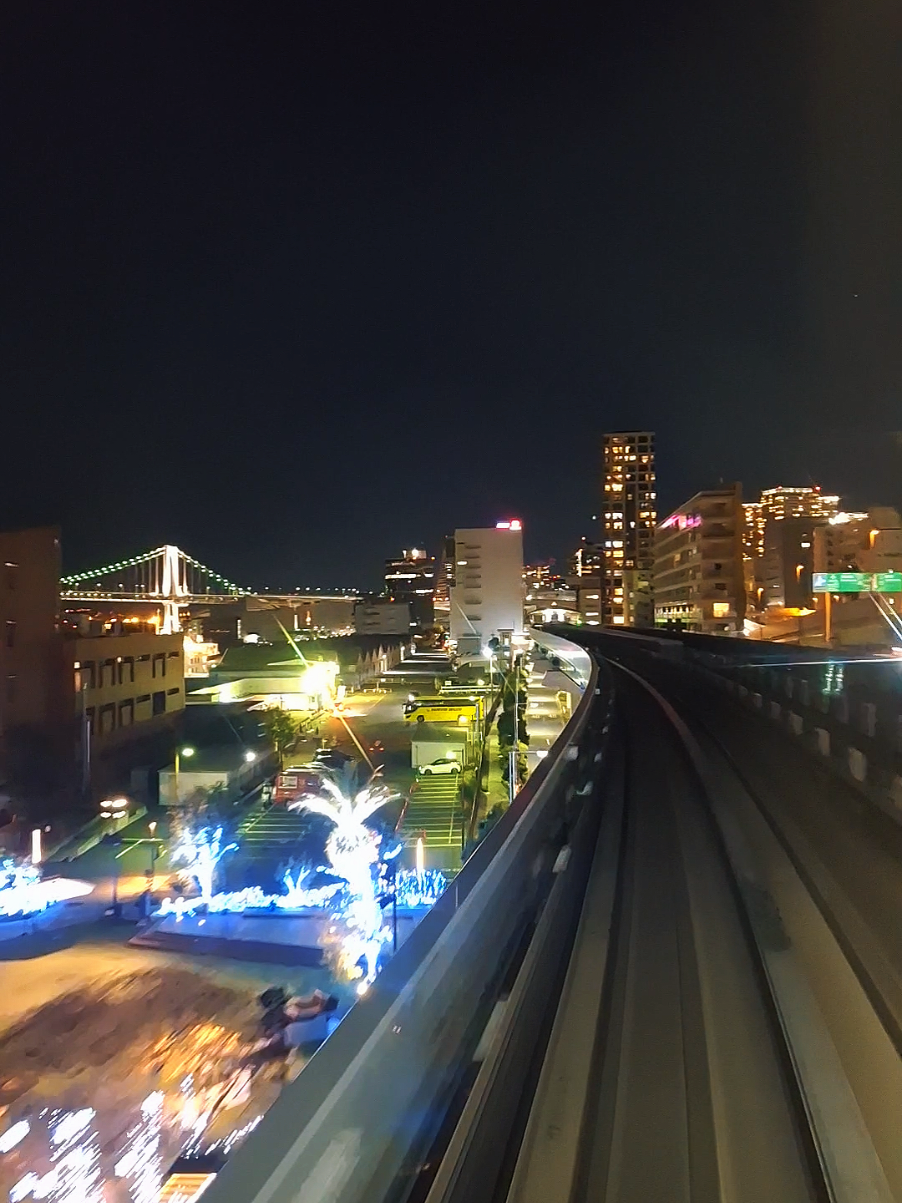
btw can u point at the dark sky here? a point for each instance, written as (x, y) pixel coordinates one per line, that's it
(293, 286)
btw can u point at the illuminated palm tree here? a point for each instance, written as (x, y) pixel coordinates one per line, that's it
(352, 851)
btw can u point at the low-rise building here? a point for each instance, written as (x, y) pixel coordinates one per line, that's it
(310, 681)
(698, 575)
(120, 682)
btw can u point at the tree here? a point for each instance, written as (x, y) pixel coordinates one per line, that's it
(282, 729)
(522, 769)
(209, 806)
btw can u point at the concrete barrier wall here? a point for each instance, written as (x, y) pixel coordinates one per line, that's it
(849, 737)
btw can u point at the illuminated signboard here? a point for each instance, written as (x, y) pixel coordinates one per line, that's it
(856, 582)
(682, 521)
(514, 524)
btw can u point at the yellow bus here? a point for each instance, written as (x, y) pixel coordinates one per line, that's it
(430, 711)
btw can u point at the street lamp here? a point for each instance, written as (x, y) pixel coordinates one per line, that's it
(250, 757)
(152, 827)
(114, 808)
(187, 752)
(489, 654)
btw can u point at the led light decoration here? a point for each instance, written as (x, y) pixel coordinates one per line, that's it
(353, 853)
(75, 1174)
(202, 851)
(416, 889)
(23, 893)
(140, 1162)
(362, 875)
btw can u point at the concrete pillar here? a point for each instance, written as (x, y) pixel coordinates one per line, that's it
(823, 740)
(796, 723)
(776, 710)
(869, 718)
(858, 764)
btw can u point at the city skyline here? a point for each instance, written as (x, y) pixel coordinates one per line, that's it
(368, 577)
(271, 317)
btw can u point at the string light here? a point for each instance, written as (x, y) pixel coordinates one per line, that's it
(202, 851)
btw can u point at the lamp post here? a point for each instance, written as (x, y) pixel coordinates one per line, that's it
(187, 752)
(152, 826)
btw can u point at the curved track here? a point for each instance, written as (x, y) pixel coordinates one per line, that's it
(687, 1094)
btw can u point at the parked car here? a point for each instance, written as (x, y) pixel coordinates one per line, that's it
(445, 764)
(332, 758)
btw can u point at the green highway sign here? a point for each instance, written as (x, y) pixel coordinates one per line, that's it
(841, 582)
(856, 582)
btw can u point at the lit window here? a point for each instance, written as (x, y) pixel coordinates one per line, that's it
(721, 609)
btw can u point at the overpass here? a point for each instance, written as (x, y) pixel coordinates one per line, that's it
(673, 971)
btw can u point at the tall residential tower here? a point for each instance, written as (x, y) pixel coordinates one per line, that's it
(628, 514)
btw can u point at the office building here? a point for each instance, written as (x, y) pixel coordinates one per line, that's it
(486, 585)
(628, 515)
(698, 578)
(787, 563)
(411, 579)
(587, 559)
(859, 542)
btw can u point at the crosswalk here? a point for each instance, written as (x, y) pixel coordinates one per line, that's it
(433, 813)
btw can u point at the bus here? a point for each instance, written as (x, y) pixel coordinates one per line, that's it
(454, 702)
(431, 710)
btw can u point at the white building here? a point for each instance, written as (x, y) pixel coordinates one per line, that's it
(487, 585)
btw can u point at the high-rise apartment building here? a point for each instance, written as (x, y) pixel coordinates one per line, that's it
(628, 515)
(411, 579)
(779, 503)
(765, 572)
(487, 585)
(698, 580)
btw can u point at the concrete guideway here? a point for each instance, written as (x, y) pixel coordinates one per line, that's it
(684, 1096)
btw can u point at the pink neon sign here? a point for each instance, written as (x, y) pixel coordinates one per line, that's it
(683, 521)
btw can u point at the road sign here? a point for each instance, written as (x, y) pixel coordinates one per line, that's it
(856, 582)
(841, 582)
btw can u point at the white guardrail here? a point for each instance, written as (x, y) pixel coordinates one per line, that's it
(363, 1113)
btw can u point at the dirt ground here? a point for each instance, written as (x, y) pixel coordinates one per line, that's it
(135, 1049)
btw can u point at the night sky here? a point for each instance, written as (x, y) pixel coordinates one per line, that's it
(294, 286)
